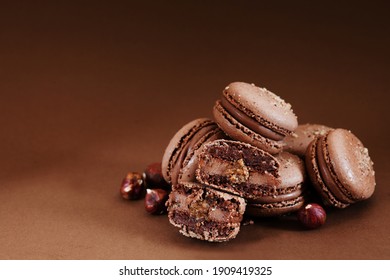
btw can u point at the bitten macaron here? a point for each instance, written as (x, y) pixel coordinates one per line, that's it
(179, 161)
(340, 168)
(205, 213)
(237, 168)
(255, 115)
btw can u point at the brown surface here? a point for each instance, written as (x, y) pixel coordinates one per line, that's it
(91, 91)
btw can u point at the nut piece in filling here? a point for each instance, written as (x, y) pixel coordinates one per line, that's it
(237, 168)
(205, 213)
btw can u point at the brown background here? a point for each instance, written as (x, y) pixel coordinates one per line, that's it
(90, 91)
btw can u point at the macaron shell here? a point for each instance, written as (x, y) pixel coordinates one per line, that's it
(261, 104)
(279, 195)
(351, 163)
(197, 139)
(315, 177)
(249, 122)
(292, 175)
(288, 196)
(333, 185)
(190, 163)
(178, 142)
(292, 170)
(241, 133)
(275, 209)
(303, 136)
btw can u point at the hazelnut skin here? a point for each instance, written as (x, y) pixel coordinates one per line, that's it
(132, 186)
(312, 216)
(155, 200)
(153, 177)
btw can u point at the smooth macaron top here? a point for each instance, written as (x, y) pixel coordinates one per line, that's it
(350, 163)
(262, 105)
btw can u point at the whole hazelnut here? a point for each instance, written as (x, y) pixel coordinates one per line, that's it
(153, 176)
(312, 216)
(155, 200)
(132, 186)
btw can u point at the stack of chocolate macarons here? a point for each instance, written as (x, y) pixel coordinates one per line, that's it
(255, 159)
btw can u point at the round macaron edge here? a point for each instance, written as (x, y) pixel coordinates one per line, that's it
(363, 188)
(284, 123)
(276, 208)
(177, 143)
(190, 162)
(315, 177)
(239, 132)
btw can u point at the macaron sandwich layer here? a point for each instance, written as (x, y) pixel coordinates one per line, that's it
(254, 115)
(286, 197)
(180, 155)
(205, 213)
(237, 168)
(340, 168)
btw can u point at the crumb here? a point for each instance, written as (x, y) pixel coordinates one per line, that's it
(248, 222)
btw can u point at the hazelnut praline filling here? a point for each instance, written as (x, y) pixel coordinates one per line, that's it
(238, 168)
(206, 204)
(204, 213)
(253, 158)
(199, 227)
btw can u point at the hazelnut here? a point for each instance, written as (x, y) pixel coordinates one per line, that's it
(312, 215)
(132, 186)
(153, 176)
(155, 200)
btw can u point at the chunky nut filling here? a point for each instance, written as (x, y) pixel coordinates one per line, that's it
(238, 173)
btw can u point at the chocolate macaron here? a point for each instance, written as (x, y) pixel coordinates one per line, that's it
(283, 198)
(205, 213)
(180, 157)
(255, 115)
(340, 168)
(237, 168)
(304, 134)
